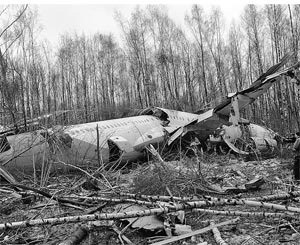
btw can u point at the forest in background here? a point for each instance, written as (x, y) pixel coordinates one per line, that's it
(156, 63)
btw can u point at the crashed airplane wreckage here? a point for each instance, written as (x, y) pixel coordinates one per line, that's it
(125, 139)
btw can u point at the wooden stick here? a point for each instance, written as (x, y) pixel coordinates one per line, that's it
(217, 234)
(194, 233)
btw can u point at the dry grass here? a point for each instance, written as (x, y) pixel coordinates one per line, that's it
(182, 178)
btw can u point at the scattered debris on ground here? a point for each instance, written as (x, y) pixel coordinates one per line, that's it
(203, 200)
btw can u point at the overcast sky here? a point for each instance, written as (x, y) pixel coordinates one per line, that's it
(91, 18)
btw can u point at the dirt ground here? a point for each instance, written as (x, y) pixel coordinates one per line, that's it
(200, 179)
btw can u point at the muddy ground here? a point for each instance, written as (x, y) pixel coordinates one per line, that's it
(199, 178)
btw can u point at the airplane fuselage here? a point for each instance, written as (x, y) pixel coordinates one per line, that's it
(118, 139)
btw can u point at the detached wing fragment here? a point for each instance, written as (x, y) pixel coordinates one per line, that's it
(206, 123)
(260, 86)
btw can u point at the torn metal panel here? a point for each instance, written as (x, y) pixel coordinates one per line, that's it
(233, 147)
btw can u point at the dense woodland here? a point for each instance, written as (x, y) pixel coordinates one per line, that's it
(156, 63)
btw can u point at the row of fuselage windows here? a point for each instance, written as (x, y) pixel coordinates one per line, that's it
(180, 118)
(110, 126)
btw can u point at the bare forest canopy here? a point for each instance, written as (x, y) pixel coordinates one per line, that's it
(157, 63)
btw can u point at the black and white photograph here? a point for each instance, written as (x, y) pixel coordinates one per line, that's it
(150, 122)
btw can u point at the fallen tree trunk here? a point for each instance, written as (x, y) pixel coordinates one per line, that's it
(103, 216)
(113, 200)
(174, 198)
(246, 214)
(276, 196)
(223, 201)
(210, 201)
(155, 197)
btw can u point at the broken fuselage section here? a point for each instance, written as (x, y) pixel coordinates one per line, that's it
(125, 139)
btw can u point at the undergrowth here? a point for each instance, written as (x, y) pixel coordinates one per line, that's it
(181, 178)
